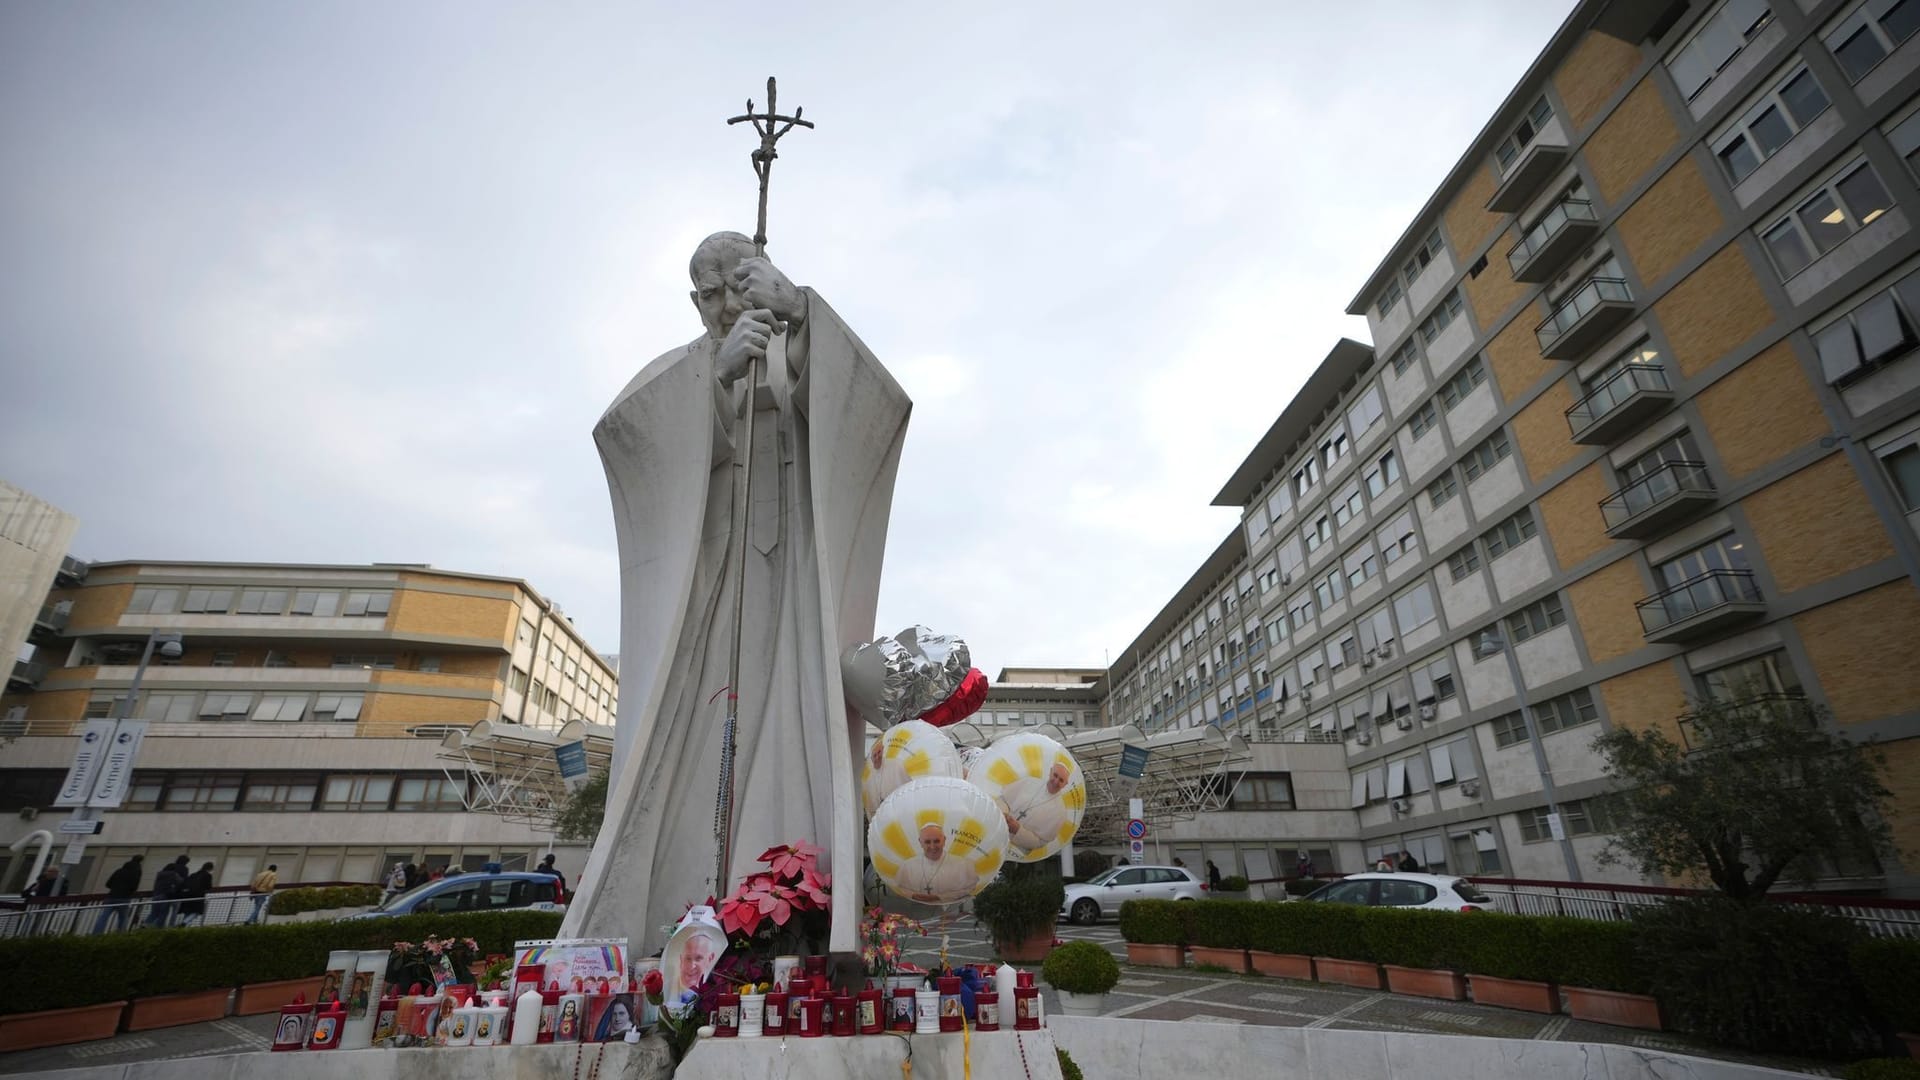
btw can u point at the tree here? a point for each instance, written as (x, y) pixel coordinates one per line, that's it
(585, 808)
(1765, 789)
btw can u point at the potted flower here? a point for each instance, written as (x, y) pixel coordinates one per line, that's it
(1082, 972)
(1019, 911)
(435, 961)
(880, 931)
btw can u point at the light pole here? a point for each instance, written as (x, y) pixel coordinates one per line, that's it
(1491, 642)
(170, 648)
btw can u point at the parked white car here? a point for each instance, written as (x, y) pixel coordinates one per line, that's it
(1435, 892)
(1100, 896)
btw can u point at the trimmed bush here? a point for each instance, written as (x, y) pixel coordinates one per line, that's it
(1154, 922)
(1081, 967)
(1883, 1069)
(1233, 883)
(1504, 947)
(1415, 939)
(66, 972)
(1017, 906)
(1887, 969)
(1302, 886)
(1277, 928)
(1764, 977)
(1219, 924)
(1068, 1070)
(1590, 954)
(1333, 930)
(295, 901)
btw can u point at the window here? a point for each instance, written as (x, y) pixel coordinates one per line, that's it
(1383, 473)
(1397, 539)
(1317, 534)
(1429, 249)
(428, 663)
(1864, 38)
(1334, 448)
(103, 706)
(202, 791)
(1523, 134)
(1300, 612)
(1376, 630)
(1263, 791)
(317, 602)
(1360, 565)
(1464, 562)
(1433, 680)
(372, 792)
(526, 632)
(1508, 729)
(340, 707)
(1767, 675)
(1905, 137)
(348, 661)
(1723, 553)
(1414, 608)
(208, 600)
(1279, 503)
(1475, 852)
(430, 793)
(1456, 389)
(517, 681)
(1565, 711)
(169, 707)
(1485, 456)
(223, 658)
(1452, 761)
(281, 791)
(219, 706)
(1442, 315)
(152, 600)
(1509, 534)
(1766, 126)
(1715, 42)
(1387, 299)
(1536, 618)
(1876, 332)
(1365, 412)
(1903, 469)
(1423, 419)
(364, 602)
(1348, 505)
(1582, 817)
(1444, 487)
(1307, 475)
(1398, 893)
(1330, 590)
(1840, 207)
(1403, 357)
(262, 602)
(148, 787)
(280, 707)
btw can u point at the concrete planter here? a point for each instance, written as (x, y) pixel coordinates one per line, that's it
(1611, 1007)
(1081, 1004)
(172, 1010)
(256, 999)
(1515, 994)
(1166, 956)
(1357, 973)
(1282, 965)
(1425, 982)
(1234, 960)
(1033, 949)
(57, 1027)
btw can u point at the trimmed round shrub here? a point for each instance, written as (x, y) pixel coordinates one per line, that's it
(1081, 967)
(1233, 883)
(1016, 907)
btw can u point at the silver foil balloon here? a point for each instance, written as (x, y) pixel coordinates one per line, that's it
(897, 678)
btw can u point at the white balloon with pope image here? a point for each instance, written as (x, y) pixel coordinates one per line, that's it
(1039, 789)
(938, 840)
(904, 752)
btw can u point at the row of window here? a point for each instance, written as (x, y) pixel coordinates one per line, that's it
(1554, 714)
(220, 791)
(563, 665)
(189, 705)
(221, 600)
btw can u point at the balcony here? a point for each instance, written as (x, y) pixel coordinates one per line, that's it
(1584, 318)
(1656, 502)
(1564, 231)
(27, 673)
(1628, 398)
(1536, 165)
(1714, 601)
(1633, 21)
(72, 572)
(50, 621)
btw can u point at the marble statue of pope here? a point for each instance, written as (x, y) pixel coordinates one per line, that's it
(826, 446)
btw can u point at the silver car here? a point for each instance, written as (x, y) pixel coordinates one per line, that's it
(1101, 895)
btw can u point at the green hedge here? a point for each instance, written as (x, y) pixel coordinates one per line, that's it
(1415, 939)
(1888, 968)
(1503, 946)
(1216, 924)
(73, 971)
(1592, 954)
(1155, 922)
(295, 901)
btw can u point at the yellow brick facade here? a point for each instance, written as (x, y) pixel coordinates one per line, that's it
(1467, 219)
(1631, 141)
(416, 611)
(96, 607)
(1494, 291)
(1860, 647)
(1515, 357)
(1648, 697)
(1571, 514)
(1596, 67)
(1602, 603)
(1713, 310)
(1541, 431)
(391, 714)
(1815, 524)
(1762, 411)
(1670, 222)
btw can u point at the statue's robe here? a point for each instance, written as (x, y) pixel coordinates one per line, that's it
(827, 437)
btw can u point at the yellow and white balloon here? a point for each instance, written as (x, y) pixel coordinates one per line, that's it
(937, 840)
(908, 751)
(1039, 790)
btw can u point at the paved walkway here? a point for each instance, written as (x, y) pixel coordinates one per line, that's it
(1144, 993)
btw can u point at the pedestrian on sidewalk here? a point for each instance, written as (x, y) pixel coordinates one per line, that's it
(1409, 864)
(121, 885)
(1213, 877)
(546, 867)
(166, 892)
(44, 886)
(193, 907)
(262, 889)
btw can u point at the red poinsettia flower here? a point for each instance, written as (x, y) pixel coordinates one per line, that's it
(739, 915)
(792, 859)
(775, 902)
(812, 887)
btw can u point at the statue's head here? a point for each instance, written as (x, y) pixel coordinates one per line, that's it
(711, 269)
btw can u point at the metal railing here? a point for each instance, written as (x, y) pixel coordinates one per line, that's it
(1668, 479)
(1578, 304)
(1882, 917)
(1564, 213)
(98, 913)
(1696, 596)
(1631, 379)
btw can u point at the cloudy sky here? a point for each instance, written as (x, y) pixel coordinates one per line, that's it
(351, 282)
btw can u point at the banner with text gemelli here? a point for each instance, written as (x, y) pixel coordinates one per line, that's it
(1133, 765)
(86, 763)
(116, 771)
(572, 759)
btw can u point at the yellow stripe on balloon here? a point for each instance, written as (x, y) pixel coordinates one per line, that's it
(1074, 798)
(967, 836)
(898, 741)
(896, 840)
(885, 868)
(924, 818)
(1034, 759)
(1064, 761)
(919, 763)
(1001, 773)
(984, 865)
(1067, 831)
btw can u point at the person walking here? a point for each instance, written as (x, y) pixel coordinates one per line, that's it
(193, 907)
(1213, 877)
(546, 867)
(1303, 867)
(262, 889)
(166, 891)
(1409, 864)
(46, 886)
(121, 885)
(396, 880)
(412, 872)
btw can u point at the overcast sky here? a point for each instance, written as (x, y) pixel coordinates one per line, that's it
(351, 282)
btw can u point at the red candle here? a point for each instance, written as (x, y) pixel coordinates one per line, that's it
(1026, 1006)
(776, 1022)
(816, 967)
(726, 1016)
(796, 993)
(986, 1008)
(951, 1018)
(810, 1010)
(843, 1013)
(869, 1011)
(900, 1016)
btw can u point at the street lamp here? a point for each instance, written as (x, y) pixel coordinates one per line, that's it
(170, 648)
(1491, 642)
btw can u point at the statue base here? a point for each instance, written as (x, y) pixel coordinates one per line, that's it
(945, 1056)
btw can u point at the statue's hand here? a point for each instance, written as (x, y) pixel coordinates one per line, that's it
(762, 285)
(747, 341)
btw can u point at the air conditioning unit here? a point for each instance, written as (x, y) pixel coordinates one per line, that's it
(1363, 737)
(1306, 696)
(1403, 806)
(28, 813)
(1404, 723)
(1427, 712)
(1470, 788)
(1286, 579)
(1386, 649)
(1367, 663)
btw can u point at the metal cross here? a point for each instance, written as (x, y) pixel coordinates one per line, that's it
(764, 123)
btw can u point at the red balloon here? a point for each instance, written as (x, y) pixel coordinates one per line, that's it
(962, 703)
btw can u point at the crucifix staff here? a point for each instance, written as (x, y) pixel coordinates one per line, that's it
(771, 126)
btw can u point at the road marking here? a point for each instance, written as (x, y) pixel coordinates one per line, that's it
(1342, 1014)
(1554, 1028)
(1439, 1017)
(1210, 1018)
(115, 1046)
(1279, 999)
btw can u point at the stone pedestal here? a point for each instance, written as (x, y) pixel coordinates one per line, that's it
(944, 1056)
